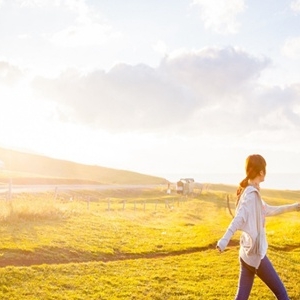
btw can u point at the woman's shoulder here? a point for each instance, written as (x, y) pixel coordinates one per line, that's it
(251, 190)
(250, 193)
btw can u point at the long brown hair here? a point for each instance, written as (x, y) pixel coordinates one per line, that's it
(254, 164)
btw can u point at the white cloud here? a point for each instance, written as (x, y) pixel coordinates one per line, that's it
(212, 91)
(214, 70)
(89, 29)
(77, 23)
(221, 15)
(83, 11)
(9, 74)
(160, 47)
(84, 35)
(71, 4)
(291, 48)
(80, 8)
(39, 3)
(126, 98)
(295, 6)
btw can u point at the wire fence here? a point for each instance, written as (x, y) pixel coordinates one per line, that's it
(108, 200)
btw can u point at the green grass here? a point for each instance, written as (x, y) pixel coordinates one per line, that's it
(156, 247)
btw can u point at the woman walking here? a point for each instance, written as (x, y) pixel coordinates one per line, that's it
(250, 216)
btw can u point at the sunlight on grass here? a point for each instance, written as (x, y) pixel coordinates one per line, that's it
(157, 246)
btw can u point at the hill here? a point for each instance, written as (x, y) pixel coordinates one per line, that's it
(27, 168)
(145, 245)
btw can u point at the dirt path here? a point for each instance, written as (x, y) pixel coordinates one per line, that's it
(49, 256)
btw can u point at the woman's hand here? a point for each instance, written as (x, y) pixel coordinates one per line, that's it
(219, 246)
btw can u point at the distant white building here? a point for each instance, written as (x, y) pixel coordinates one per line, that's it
(185, 186)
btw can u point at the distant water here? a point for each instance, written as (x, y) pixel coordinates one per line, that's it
(272, 181)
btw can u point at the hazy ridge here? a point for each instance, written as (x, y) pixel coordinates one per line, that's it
(28, 168)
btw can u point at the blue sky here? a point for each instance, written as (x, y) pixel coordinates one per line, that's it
(158, 87)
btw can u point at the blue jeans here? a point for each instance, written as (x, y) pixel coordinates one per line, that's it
(266, 273)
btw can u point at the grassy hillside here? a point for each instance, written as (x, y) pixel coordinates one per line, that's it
(157, 246)
(26, 168)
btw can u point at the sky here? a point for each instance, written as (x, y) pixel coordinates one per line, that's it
(161, 87)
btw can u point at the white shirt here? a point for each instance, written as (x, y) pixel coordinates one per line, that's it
(250, 219)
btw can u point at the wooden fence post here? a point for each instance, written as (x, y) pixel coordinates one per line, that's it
(228, 205)
(55, 194)
(9, 194)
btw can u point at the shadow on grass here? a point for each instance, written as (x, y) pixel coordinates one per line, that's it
(285, 248)
(56, 255)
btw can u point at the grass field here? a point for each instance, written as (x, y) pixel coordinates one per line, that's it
(134, 244)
